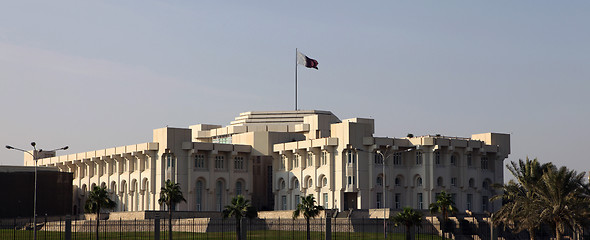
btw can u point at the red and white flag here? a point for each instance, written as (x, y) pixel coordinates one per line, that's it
(305, 61)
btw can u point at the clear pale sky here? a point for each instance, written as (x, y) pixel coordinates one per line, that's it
(100, 74)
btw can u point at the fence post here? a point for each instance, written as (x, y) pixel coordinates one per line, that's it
(328, 228)
(157, 227)
(68, 234)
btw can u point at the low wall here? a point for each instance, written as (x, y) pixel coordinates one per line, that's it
(162, 214)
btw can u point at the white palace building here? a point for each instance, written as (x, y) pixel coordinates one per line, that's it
(273, 158)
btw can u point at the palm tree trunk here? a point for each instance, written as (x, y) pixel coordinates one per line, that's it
(170, 222)
(531, 233)
(557, 231)
(408, 233)
(239, 228)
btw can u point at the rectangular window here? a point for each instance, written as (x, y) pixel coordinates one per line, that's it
(283, 202)
(454, 160)
(397, 159)
(469, 160)
(379, 199)
(200, 161)
(437, 158)
(325, 200)
(324, 157)
(296, 161)
(454, 182)
(484, 203)
(351, 156)
(283, 161)
(378, 159)
(469, 201)
(484, 163)
(297, 200)
(454, 198)
(351, 180)
(239, 163)
(219, 162)
(420, 201)
(398, 198)
(310, 159)
(418, 158)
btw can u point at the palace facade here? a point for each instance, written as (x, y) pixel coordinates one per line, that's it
(274, 158)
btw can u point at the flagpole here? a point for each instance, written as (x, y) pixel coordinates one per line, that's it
(296, 79)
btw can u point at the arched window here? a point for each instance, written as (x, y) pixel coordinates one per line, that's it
(113, 187)
(324, 181)
(282, 184)
(296, 184)
(439, 181)
(398, 181)
(471, 183)
(146, 188)
(199, 195)
(238, 188)
(309, 183)
(379, 180)
(485, 185)
(419, 182)
(219, 195)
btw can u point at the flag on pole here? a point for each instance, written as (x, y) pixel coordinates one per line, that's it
(305, 61)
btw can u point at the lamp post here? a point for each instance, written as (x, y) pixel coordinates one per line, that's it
(383, 157)
(384, 193)
(35, 156)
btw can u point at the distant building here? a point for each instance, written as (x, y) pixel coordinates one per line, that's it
(273, 158)
(54, 191)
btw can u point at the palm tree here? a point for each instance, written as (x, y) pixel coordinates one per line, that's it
(170, 194)
(239, 208)
(563, 200)
(98, 198)
(409, 218)
(519, 210)
(309, 210)
(445, 205)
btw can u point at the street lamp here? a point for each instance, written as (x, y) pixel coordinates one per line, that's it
(35, 158)
(384, 157)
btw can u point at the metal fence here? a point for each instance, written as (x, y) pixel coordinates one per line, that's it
(220, 229)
